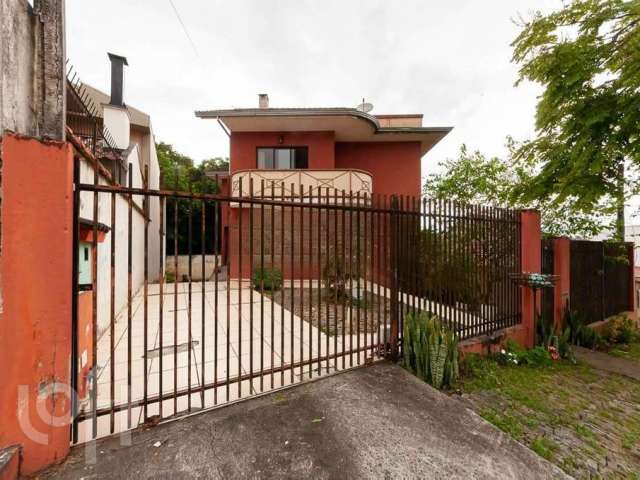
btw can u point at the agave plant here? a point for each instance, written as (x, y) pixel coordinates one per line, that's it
(430, 350)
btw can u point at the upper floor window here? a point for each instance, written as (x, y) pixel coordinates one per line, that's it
(283, 158)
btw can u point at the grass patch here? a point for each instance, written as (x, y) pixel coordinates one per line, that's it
(544, 447)
(577, 417)
(630, 351)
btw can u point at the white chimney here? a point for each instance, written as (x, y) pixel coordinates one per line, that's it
(263, 100)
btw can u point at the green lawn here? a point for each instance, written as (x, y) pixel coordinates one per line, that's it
(584, 420)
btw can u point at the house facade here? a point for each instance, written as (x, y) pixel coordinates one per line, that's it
(316, 154)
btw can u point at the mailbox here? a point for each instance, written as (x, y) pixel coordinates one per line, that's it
(84, 265)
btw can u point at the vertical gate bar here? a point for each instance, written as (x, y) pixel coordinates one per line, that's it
(311, 215)
(282, 298)
(261, 288)
(175, 300)
(319, 265)
(343, 278)
(448, 255)
(301, 283)
(475, 330)
(129, 289)
(203, 336)
(424, 253)
(485, 237)
(358, 273)
(228, 306)
(415, 225)
(351, 278)
(337, 266)
(292, 270)
(414, 253)
(240, 246)
(498, 266)
(474, 269)
(454, 260)
(372, 274)
(393, 270)
(326, 253)
(378, 269)
(189, 298)
(495, 264)
(217, 234)
(161, 201)
(251, 272)
(363, 295)
(145, 291)
(94, 309)
(112, 311)
(439, 238)
(75, 245)
(385, 271)
(468, 287)
(487, 226)
(273, 267)
(427, 271)
(402, 252)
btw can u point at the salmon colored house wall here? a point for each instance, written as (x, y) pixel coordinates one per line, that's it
(244, 147)
(35, 323)
(395, 167)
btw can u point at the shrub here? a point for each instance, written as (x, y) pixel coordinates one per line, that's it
(579, 332)
(430, 350)
(514, 354)
(169, 277)
(267, 279)
(620, 329)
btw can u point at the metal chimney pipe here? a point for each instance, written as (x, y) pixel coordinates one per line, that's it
(263, 100)
(117, 79)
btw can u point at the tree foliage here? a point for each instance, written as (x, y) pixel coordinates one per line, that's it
(475, 178)
(586, 56)
(179, 173)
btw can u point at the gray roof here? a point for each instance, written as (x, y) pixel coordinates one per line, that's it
(137, 117)
(314, 112)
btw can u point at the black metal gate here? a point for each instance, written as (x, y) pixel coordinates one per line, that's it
(315, 283)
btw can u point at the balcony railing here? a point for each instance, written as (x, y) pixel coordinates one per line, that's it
(308, 185)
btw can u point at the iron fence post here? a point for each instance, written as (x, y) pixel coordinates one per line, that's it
(393, 278)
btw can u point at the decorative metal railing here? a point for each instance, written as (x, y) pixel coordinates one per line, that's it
(316, 186)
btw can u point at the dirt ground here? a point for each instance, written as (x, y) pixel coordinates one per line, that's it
(331, 317)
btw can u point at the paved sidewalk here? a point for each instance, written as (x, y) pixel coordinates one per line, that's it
(609, 363)
(373, 422)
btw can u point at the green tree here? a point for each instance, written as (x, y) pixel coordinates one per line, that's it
(180, 174)
(586, 56)
(475, 178)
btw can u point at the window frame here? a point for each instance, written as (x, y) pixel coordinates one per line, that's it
(279, 147)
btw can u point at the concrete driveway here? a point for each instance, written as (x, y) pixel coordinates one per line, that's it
(373, 422)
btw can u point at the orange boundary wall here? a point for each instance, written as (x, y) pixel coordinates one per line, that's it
(35, 324)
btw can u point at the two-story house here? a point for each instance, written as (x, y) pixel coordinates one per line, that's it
(321, 152)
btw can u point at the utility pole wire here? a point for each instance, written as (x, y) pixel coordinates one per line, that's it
(184, 28)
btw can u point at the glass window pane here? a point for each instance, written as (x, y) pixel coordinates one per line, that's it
(283, 158)
(265, 158)
(301, 158)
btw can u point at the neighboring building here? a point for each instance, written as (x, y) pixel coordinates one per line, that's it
(321, 150)
(121, 139)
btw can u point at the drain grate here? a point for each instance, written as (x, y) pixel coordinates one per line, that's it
(168, 349)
